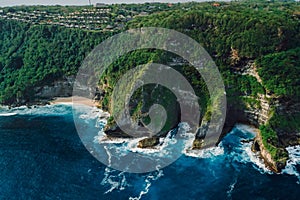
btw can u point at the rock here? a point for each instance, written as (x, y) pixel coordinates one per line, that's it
(198, 144)
(115, 132)
(247, 141)
(60, 88)
(148, 142)
(276, 164)
(255, 147)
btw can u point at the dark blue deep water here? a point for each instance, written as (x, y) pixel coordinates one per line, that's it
(42, 157)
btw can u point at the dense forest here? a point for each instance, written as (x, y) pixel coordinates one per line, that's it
(235, 34)
(37, 55)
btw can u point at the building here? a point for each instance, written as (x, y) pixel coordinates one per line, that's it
(100, 5)
(216, 4)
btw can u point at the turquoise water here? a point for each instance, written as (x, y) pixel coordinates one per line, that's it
(42, 157)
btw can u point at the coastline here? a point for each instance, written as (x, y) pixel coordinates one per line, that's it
(257, 146)
(74, 100)
(261, 151)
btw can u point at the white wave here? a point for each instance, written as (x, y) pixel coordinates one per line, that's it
(206, 153)
(108, 155)
(201, 153)
(7, 114)
(249, 156)
(91, 113)
(148, 182)
(103, 139)
(116, 180)
(165, 148)
(87, 113)
(246, 129)
(42, 110)
(244, 152)
(169, 144)
(231, 188)
(294, 159)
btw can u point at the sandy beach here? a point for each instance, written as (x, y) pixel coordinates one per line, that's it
(74, 100)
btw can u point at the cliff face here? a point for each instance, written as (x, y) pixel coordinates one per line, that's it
(139, 107)
(60, 88)
(261, 111)
(245, 34)
(272, 163)
(44, 94)
(257, 109)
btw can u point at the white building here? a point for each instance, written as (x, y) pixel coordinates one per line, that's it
(100, 5)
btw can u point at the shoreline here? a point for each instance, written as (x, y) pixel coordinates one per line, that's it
(73, 100)
(55, 101)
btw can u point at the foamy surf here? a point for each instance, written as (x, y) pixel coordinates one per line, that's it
(47, 110)
(247, 129)
(148, 182)
(115, 180)
(243, 153)
(294, 159)
(231, 188)
(7, 114)
(249, 156)
(206, 153)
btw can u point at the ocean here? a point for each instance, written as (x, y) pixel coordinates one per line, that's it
(42, 157)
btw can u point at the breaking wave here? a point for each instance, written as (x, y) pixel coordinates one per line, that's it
(294, 160)
(48, 110)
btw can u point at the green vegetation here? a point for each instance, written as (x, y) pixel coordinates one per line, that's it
(280, 73)
(271, 143)
(286, 122)
(238, 32)
(33, 56)
(252, 29)
(145, 97)
(235, 34)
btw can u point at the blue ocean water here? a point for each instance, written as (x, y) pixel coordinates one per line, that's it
(42, 157)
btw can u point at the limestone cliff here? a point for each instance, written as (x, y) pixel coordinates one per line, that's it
(59, 88)
(259, 110)
(273, 163)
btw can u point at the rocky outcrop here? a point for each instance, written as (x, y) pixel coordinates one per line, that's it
(148, 142)
(259, 112)
(115, 132)
(198, 143)
(274, 164)
(60, 88)
(258, 108)
(253, 110)
(42, 95)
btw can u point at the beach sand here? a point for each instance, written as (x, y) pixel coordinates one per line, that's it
(74, 100)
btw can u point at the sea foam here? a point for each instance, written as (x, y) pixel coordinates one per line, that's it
(294, 159)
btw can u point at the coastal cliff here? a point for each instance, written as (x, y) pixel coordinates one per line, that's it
(259, 112)
(256, 48)
(274, 159)
(44, 94)
(60, 88)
